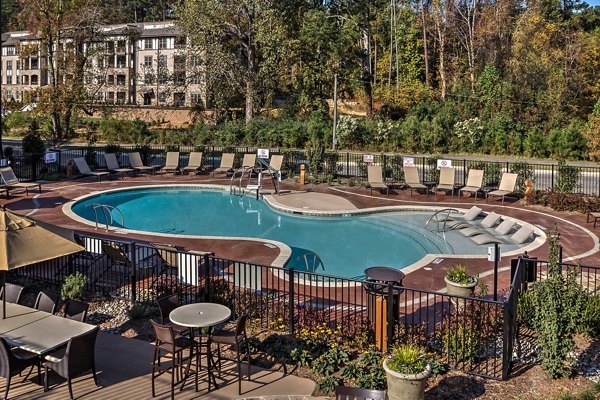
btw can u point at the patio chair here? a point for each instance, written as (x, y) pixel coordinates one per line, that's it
(84, 169)
(351, 393)
(447, 181)
(74, 360)
(12, 182)
(474, 182)
(412, 179)
(518, 237)
(13, 361)
(13, 293)
(375, 179)
(165, 306)
(508, 184)
(172, 347)
(226, 163)
(135, 160)
(194, 163)
(172, 163)
(468, 216)
(249, 163)
(113, 165)
(47, 301)
(237, 341)
(489, 221)
(76, 310)
(275, 163)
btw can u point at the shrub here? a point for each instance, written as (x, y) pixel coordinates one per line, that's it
(328, 384)
(525, 171)
(137, 311)
(462, 343)
(73, 287)
(568, 178)
(32, 142)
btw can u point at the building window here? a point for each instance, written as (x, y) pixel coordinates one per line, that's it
(180, 42)
(110, 47)
(34, 80)
(25, 80)
(148, 44)
(101, 79)
(162, 97)
(195, 79)
(100, 96)
(34, 63)
(162, 43)
(120, 97)
(121, 61)
(10, 51)
(121, 80)
(18, 65)
(148, 62)
(9, 66)
(111, 80)
(162, 60)
(147, 99)
(111, 97)
(120, 46)
(179, 99)
(195, 98)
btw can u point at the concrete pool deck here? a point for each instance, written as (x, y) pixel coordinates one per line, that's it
(579, 242)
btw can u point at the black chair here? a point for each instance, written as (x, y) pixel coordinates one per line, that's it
(47, 301)
(14, 361)
(165, 306)
(76, 310)
(12, 292)
(78, 358)
(172, 347)
(237, 341)
(350, 393)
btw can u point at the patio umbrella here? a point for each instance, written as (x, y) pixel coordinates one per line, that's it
(25, 241)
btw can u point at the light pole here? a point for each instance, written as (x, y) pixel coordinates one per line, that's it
(335, 84)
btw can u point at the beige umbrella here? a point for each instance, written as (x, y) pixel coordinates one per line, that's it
(24, 241)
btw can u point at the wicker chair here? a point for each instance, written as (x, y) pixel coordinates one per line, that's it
(14, 361)
(47, 301)
(350, 393)
(165, 306)
(77, 359)
(13, 293)
(172, 347)
(235, 340)
(76, 310)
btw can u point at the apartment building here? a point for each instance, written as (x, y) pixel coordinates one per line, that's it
(141, 64)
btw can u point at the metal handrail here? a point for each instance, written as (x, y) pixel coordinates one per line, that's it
(275, 173)
(107, 208)
(435, 215)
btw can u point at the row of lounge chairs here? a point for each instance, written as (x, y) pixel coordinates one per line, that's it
(447, 181)
(485, 231)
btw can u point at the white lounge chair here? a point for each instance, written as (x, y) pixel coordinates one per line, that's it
(194, 163)
(171, 163)
(226, 163)
(375, 178)
(113, 165)
(508, 184)
(518, 237)
(489, 221)
(84, 169)
(447, 180)
(276, 163)
(412, 180)
(11, 182)
(135, 160)
(474, 182)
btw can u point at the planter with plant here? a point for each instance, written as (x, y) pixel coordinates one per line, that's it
(407, 370)
(459, 282)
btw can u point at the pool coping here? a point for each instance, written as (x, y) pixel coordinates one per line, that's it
(285, 251)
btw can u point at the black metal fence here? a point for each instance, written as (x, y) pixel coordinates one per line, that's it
(335, 165)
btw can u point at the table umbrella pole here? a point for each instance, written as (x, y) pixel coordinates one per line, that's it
(3, 282)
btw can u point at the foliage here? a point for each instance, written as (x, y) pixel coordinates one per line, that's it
(137, 311)
(566, 202)
(458, 274)
(408, 359)
(73, 287)
(524, 171)
(462, 343)
(568, 178)
(33, 143)
(328, 384)
(121, 131)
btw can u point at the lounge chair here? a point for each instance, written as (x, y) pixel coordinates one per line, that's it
(11, 181)
(172, 163)
(474, 182)
(508, 184)
(135, 160)
(489, 221)
(447, 180)
(84, 169)
(412, 180)
(226, 163)
(249, 163)
(468, 216)
(194, 163)
(375, 177)
(113, 165)
(518, 237)
(275, 163)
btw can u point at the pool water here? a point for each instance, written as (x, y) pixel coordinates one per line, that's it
(344, 246)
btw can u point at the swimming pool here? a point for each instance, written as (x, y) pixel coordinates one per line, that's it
(345, 245)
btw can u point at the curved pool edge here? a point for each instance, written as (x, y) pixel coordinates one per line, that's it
(285, 251)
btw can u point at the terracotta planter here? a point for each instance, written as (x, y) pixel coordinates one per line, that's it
(458, 289)
(404, 386)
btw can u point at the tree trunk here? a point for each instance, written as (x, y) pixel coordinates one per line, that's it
(425, 50)
(250, 83)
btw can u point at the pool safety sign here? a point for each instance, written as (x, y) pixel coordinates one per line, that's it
(444, 164)
(263, 153)
(408, 161)
(51, 157)
(368, 158)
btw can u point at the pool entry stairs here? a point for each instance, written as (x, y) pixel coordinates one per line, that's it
(263, 165)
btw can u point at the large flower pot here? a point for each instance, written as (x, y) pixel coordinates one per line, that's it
(458, 289)
(404, 386)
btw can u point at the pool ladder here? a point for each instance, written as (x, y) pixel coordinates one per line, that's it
(435, 218)
(107, 212)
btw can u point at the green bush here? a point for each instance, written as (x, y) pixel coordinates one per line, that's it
(568, 178)
(462, 343)
(137, 311)
(408, 359)
(73, 287)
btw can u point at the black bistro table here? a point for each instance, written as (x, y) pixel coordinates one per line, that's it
(384, 275)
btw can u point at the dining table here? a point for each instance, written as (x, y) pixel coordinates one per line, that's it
(38, 331)
(202, 315)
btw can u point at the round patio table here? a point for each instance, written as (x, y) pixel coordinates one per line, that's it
(385, 274)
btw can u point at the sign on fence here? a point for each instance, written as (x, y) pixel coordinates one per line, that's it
(368, 158)
(263, 153)
(444, 164)
(51, 157)
(408, 161)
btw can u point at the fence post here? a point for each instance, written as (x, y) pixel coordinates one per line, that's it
(133, 266)
(348, 165)
(464, 182)
(391, 320)
(206, 277)
(506, 338)
(34, 158)
(291, 297)
(552, 178)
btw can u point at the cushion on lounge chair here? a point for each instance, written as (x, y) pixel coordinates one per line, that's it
(84, 168)
(487, 222)
(474, 181)
(517, 238)
(504, 227)
(411, 177)
(135, 160)
(226, 163)
(172, 162)
(195, 162)
(375, 178)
